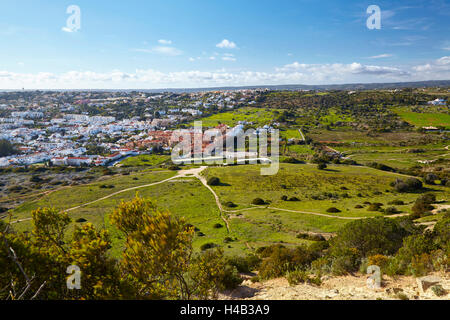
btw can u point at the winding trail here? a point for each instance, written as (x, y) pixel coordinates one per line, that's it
(196, 172)
(216, 197)
(119, 192)
(301, 133)
(318, 214)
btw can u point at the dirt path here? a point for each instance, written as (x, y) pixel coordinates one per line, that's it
(195, 172)
(119, 192)
(301, 133)
(181, 174)
(216, 197)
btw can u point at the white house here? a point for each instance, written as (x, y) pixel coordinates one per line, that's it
(437, 102)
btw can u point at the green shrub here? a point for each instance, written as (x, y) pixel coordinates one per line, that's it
(345, 260)
(423, 205)
(207, 246)
(378, 260)
(380, 166)
(333, 210)
(372, 236)
(420, 265)
(409, 185)
(402, 296)
(296, 277)
(277, 260)
(412, 257)
(291, 160)
(438, 290)
(244, 264)
(230, 204)
(228, 240)
(258, 202)
(375, 207)
(213, 181)
(442, 231)
(217, 226)
(397, 203)
(391, 210)
(106, 186)
(35, 179)
(430, 178)
(230, 278)
(321, 265)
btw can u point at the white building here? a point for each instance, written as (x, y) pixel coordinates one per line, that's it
(437, 102)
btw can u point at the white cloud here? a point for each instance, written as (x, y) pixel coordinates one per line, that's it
(228, 58)
(437, 69)
(339, 70)
(226, 44)
(165, 42)
(163, 50)
(295, 73)
(381, 56)
(169, 51)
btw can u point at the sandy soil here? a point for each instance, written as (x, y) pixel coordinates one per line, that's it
(336, 288)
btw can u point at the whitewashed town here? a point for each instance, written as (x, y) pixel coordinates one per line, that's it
(100, 128)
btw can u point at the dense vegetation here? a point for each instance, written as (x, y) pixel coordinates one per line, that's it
(158, 261)
(6, 148)
(397, 246)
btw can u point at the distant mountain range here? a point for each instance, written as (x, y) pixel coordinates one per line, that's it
(293, 87)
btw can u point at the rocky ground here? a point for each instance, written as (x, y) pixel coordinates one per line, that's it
(338, 288)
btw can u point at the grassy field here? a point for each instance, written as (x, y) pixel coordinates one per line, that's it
(397, 157)
(77, 195)
(400, 159)
(333, 116)
(145, 160)
(290, 133)
(259, 117)
(424, 119)
(348, 185)
(298, 149)
(342, 187)
(379, 139)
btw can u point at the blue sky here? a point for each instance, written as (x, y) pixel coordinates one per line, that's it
(201, 43)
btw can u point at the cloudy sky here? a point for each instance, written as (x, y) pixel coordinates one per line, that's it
(153, 44)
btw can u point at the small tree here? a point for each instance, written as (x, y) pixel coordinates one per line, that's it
(258, 202)
(213, 181)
